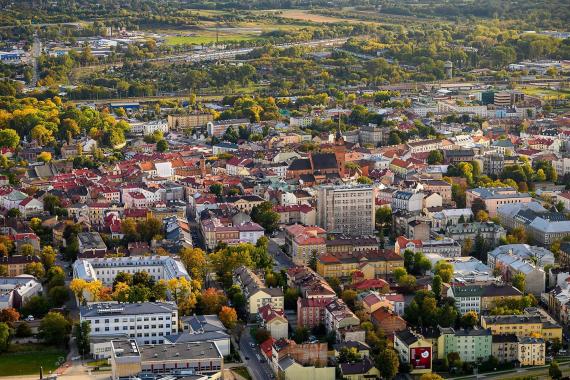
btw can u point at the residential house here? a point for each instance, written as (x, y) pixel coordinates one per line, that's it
(360, 370)
(413, 349)
(387, 321)
(274, 321)
(255, 291)
(473, 345)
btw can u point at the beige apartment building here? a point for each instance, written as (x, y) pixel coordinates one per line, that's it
(347, 209)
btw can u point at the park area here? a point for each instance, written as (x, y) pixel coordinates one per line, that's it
(26, 359)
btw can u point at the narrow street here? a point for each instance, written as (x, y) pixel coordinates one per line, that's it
(258, 370)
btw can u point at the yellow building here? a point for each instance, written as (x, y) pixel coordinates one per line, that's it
(373, 264)
(362, 370)
(289, 369)
(531, 351)
(522, 326)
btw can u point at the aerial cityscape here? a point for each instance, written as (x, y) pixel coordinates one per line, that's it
(284, 189)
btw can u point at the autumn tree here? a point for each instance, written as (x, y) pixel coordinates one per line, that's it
(228, 317)
(195, 261)
(9, 315)
(469, 319)
(211, 301)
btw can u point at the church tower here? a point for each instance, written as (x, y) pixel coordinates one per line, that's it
(340, 150)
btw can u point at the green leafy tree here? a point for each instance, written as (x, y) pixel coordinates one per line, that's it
(436, 286)
(4, 336)
(469, 319)
(554, 371)
(216, 189)
(9, 138)
(348, 355)
(444, 270)
(264, 215)
(519, 281)
(54, 329)
(435, 157)
(162, 145)
(301, 334)
(81, 332)
(387, 363)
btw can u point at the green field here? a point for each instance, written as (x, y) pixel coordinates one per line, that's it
(19, 362)
(546, 93)
(206, 38)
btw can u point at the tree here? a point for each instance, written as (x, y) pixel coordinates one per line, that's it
(435, 157)
(228, 317)
(77, 286)
(364, 180)
(37, 306)
(540, 175)
(35, 269)
(13, 213)
(313, 260)
(44, 157)
(436, 286)
(349, 297)
(409, 260)
(264, 215)
(399, 273)
(9, 315)
(261, 335)
(301, 334)
(478, 205)
(58, 295)
(121, 292)
(519, 281)
(81, 332)
(54, 329)
(23, 330)
(162, 145)
(348, 355)
(4, 336)
(394, 138)
(194, 259)
(469, 319)
(383, 217)
(444, 270)
(48, 257)
(387, 363)
(290, 298)
(9, 138)
(554, 371)
(408, 281)
(27, 250)
(482, 216)
(467, 246)
(211, 301)
(216, 189)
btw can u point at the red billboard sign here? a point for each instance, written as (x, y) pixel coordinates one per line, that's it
(420, 357)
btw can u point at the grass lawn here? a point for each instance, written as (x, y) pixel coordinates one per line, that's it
(27, 359)
(243, 372)
(546, 93)
(206, 37)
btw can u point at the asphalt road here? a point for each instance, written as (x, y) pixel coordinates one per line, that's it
(282, 261)
(258, 370)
